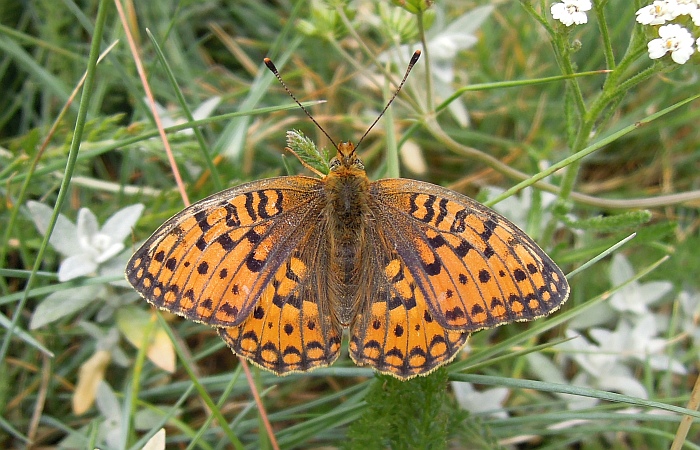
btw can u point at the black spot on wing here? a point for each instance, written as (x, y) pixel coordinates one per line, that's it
(442, 211)
(232, 219)
(463, 249)
(437, 241)
(433, 268)
(489, 226)
(249, 206)
(254, 265)
(226, 242)
(458, 223)
(484, 276)
(201, 218)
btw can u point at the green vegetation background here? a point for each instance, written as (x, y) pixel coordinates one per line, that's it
(639, 175)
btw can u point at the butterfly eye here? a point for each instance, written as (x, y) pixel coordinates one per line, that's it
(334, 163)
(357, 163)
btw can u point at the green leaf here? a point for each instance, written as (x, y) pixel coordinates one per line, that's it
(631, 219)
(304, 149)
(64, 303)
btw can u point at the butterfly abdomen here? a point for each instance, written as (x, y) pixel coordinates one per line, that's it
(346, 212)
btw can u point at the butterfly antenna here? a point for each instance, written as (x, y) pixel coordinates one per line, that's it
(270, 65)
(414, 60)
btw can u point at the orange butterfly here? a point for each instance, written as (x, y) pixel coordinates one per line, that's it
(281, 266)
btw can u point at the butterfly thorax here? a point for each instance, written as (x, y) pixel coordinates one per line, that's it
(346, 214)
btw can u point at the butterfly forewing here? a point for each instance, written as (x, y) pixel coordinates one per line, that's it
(212, 261)
(475, 268)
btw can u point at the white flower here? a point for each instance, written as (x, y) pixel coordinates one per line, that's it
(86, 246)
(695, 16)
(172, 118)
(488, 402)
(683, 7)
(657, 13)
(635, 297)
(603, 368)
(571, 12)
(675, 39)
(444, 46)
(638, 343)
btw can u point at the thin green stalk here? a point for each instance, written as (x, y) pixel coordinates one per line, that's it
(512, 83)
(572, 390)
(612, 90)
(31, 40)
(89, 153)
(186, 364)
(170, 418)
(392, 149)
(561, 47)
(590, 149)
(225, 395)
(609, 93)
(216, 179)
(634, 80)
(564, 50)
(426, 55)
(40, 75)
(133, 393)
(604, 34)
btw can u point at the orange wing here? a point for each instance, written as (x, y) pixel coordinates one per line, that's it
(213, 261)
(292, 328)
(247, 260)
(394, 330)
(474, 267)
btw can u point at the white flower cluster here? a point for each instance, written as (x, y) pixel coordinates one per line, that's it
(571, 12)
(673, 38)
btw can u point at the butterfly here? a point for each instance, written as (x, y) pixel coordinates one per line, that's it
(282, 266)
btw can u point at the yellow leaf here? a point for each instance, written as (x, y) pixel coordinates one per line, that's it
(161, 351)
(157, 442)
(134, 323)
(90, 374)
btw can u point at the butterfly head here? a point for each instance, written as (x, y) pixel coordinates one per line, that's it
(346, 158)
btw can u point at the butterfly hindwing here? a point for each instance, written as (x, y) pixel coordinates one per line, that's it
(291, 328)
(394, 331)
